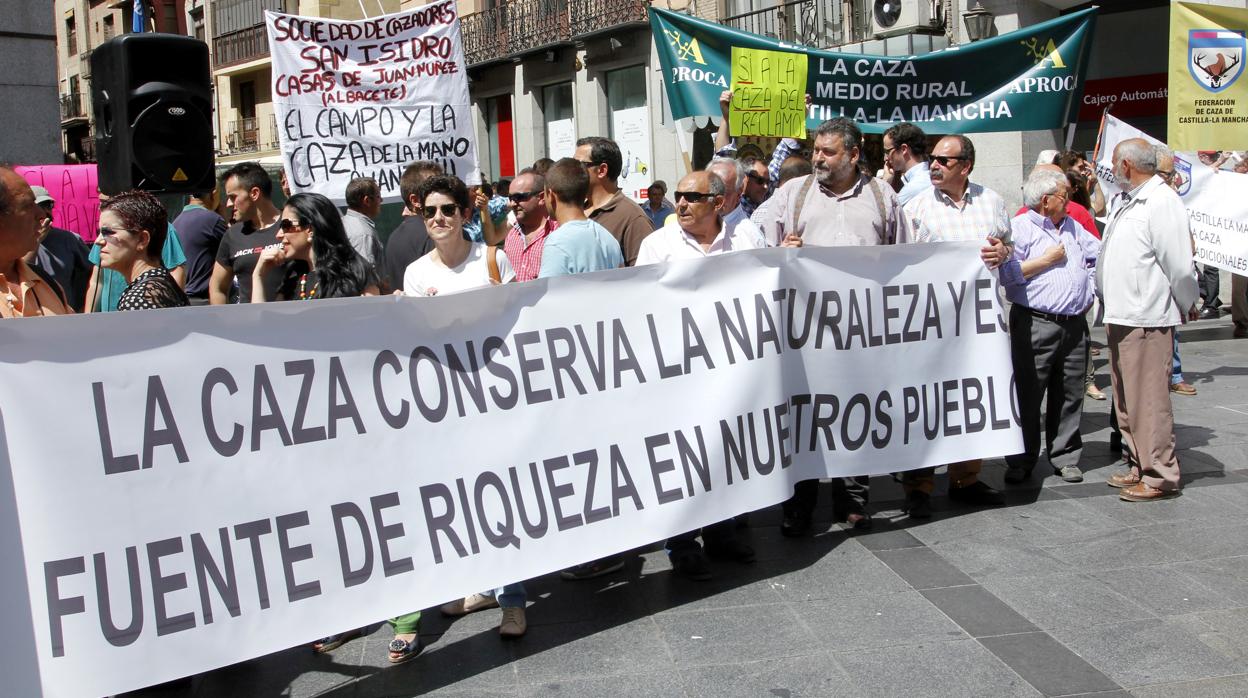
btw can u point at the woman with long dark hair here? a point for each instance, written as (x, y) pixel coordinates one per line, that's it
(311, 230)
(133, 226)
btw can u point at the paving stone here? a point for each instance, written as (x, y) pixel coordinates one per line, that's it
(1065, 600)
(1228, 687)
(1200, 542)
(792, 677)
(1164, 590)
(1067, 521)
(1048, 665)
(884, 537)
(922, 568)
(1114, 550)
(586, 650)
(978, 611)
(1227, 575)
(959, 668)
(628, 686)
(1137, 653)
(705, 638)
(988, 525)
(879, 620)
(453, 662)
(1224, 631)
(988, 559)
(846, 572)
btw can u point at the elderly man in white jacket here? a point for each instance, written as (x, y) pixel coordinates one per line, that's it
(1145, 276)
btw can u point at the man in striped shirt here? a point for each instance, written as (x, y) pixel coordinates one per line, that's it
(1051, 281)
(527, 238)
(956, 209)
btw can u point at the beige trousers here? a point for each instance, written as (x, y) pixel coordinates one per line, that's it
(1139, 367)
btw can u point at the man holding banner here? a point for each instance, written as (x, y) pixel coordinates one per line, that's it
(1145, 277)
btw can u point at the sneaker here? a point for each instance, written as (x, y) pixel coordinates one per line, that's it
(597, 568)
(977, 494)
(1183, 388)
(1140, 492)
(514, 624)
(918, 505)
(1070, 473)
(692, 565)
(1017, 474)
(1094, 392)
(1123, 480)
(732, 550)
(469, 604)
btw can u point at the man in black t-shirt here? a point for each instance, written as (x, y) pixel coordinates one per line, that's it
(248, 191)
(410, 241)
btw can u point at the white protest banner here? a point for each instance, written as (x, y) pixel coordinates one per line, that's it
(367, 98)
(250, 480)
(1216, 200)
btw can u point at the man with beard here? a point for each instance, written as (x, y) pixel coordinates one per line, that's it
(838, 205)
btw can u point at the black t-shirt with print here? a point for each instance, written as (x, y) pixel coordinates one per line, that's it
(240, 251)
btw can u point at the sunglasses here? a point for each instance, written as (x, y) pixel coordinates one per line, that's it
(756, 177)
(589, 163)
(693, 197)
(520, 197)
(448, 211)
(944, 160)
(288, 225)
(110, 234)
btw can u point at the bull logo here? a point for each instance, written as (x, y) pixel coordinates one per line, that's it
(1182, 175)
(685, 50)
(1215, 57)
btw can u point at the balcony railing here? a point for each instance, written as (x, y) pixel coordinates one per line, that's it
(84, 63)
(250, 135)
(522, 26)
(73, 106)
(815, 23)
(240, 46)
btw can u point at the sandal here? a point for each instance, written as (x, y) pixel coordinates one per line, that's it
(333, 642)
(404, 650)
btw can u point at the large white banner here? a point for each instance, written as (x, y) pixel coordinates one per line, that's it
(1216, 200)
(200, 486)
(368, 98)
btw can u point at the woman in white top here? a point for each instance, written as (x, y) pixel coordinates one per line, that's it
(455, 263)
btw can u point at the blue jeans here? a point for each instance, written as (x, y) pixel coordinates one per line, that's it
(1176, 364)
(510, 596)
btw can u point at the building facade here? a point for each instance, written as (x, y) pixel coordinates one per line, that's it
(28, 107)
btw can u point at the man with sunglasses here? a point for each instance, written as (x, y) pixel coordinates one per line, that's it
(607, 205)
(527, 238)
(733, 211)
(956, 209)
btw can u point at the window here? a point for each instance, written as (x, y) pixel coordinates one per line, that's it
(247, 99)
(197, 23)
(109, 29)
(71, 35)
(560, 117)
(501, 155)
(169, 17)
(630, 127)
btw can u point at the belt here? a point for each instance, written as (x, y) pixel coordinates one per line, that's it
(1051, 317)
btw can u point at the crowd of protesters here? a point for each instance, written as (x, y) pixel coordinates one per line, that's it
(1068, 250)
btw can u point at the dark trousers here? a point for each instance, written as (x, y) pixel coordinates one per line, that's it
(1209, 282)
(715, 534)
(1050, 358)
(849, 496)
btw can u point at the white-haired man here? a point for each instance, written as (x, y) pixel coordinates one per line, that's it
(736, 220)
(1050, 280)
(1145, 277)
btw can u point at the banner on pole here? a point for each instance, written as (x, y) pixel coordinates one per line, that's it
(76, 191)
(1024, 80)
(1217, 210)
(292, 482)
(367, 98)
(1208, 94)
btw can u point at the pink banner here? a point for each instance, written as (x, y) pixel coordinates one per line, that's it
(76, 192)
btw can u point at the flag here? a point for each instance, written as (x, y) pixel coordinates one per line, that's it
(139, 25)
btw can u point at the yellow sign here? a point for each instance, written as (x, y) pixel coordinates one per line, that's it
(1208, 90)
(768, 93)
(179, 175)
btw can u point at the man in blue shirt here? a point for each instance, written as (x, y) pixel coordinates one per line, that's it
(657, 207)
(905, 152)
(578, 245)
(200, 229)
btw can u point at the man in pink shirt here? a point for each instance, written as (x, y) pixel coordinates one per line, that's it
(526, 239)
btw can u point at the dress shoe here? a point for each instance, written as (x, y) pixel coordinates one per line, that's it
(918, 505)
(1141, 492)
(1017, 474)
(470, 604)
(591, 570)
(1094, 392)
(1070, 473)
(514, 623)
(1240, 332)
(731, 550)
(1122, 480)
(692, 565)
(978, 494)
(795, 525)
(1210, 314)
(857, 520)
(1183, 388)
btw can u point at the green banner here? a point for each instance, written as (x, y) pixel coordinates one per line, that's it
(1024, 80)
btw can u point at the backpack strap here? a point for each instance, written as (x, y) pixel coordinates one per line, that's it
(801, 201)
(491, 260)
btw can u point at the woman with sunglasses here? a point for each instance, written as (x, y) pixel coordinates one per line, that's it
(133, 227)
(310, 229)
(455, 263)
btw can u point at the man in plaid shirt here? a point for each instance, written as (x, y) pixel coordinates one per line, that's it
(527, 237)
(956, 209)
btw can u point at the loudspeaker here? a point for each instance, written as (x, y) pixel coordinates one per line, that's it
(152, 99)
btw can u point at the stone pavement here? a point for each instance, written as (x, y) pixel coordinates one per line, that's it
(1065, 591)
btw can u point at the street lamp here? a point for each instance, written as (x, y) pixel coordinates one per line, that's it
(978, 22)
